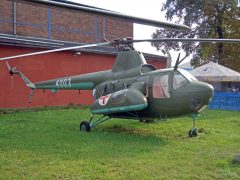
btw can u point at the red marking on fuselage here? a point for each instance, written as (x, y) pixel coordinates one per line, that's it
(104, 99)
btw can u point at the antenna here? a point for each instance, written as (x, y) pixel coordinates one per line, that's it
(180, 61)
(177, 62)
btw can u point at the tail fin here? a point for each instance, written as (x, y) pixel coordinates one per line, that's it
(14, 70)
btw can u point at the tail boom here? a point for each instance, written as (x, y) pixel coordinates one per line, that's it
(78, 82)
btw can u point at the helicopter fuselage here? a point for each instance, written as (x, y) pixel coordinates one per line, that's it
(168, 92)
(133, 87)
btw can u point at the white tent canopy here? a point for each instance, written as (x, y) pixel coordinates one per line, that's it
(213, 72)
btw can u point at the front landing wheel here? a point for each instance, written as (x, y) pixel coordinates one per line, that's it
(85, 126)
(192, 133)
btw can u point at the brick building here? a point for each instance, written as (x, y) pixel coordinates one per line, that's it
(29, 26)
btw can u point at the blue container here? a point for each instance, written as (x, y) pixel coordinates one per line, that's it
(225, 101)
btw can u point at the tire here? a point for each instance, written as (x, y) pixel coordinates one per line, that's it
(85, 126)
(192, 133)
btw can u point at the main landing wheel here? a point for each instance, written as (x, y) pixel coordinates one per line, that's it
(85, 126)
(192, 133)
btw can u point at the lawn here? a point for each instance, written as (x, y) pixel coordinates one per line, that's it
(47, 144)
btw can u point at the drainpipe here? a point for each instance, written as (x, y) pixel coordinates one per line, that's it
(104, 29)
(14, 17)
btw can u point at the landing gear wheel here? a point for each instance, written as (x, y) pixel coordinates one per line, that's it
(192, 133)
(85, 126)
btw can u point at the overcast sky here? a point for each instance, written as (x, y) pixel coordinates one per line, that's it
(150, 9)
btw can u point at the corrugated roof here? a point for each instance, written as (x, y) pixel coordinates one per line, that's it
(213, 72)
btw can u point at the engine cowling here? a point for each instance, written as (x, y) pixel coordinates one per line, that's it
(121, 101)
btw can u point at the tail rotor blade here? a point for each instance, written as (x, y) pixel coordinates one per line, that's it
(10, 70)
(8, 66)
(12, 81)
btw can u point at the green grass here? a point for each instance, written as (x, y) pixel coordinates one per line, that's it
(47, 144)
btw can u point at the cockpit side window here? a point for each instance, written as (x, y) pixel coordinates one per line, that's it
(161, 87)
(178, 80)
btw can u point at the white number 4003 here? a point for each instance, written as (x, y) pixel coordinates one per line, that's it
(64, 83)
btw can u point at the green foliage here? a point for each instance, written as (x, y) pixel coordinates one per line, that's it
(47, 144)
(208, 19)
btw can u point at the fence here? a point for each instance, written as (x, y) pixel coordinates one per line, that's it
(225, 101)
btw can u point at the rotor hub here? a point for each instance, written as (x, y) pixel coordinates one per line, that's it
(123, 44)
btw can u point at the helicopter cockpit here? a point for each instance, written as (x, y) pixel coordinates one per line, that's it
(163, 84)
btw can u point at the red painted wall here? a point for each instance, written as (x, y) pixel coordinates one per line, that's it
(49, 66)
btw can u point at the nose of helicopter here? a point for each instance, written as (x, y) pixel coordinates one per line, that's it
(201, 95)
(207, 89)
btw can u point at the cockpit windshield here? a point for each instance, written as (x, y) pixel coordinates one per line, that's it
(178, 80)
(182, 77)
(187, 75)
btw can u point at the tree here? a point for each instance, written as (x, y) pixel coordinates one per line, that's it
(208, 19)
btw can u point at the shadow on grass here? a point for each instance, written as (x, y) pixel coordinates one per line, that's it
(125, 130)
(67, 143)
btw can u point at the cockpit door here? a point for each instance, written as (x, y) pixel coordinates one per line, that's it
(161, 86)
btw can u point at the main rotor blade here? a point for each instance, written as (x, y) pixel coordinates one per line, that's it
(55, 50)
(187, 40)
(133, 19)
